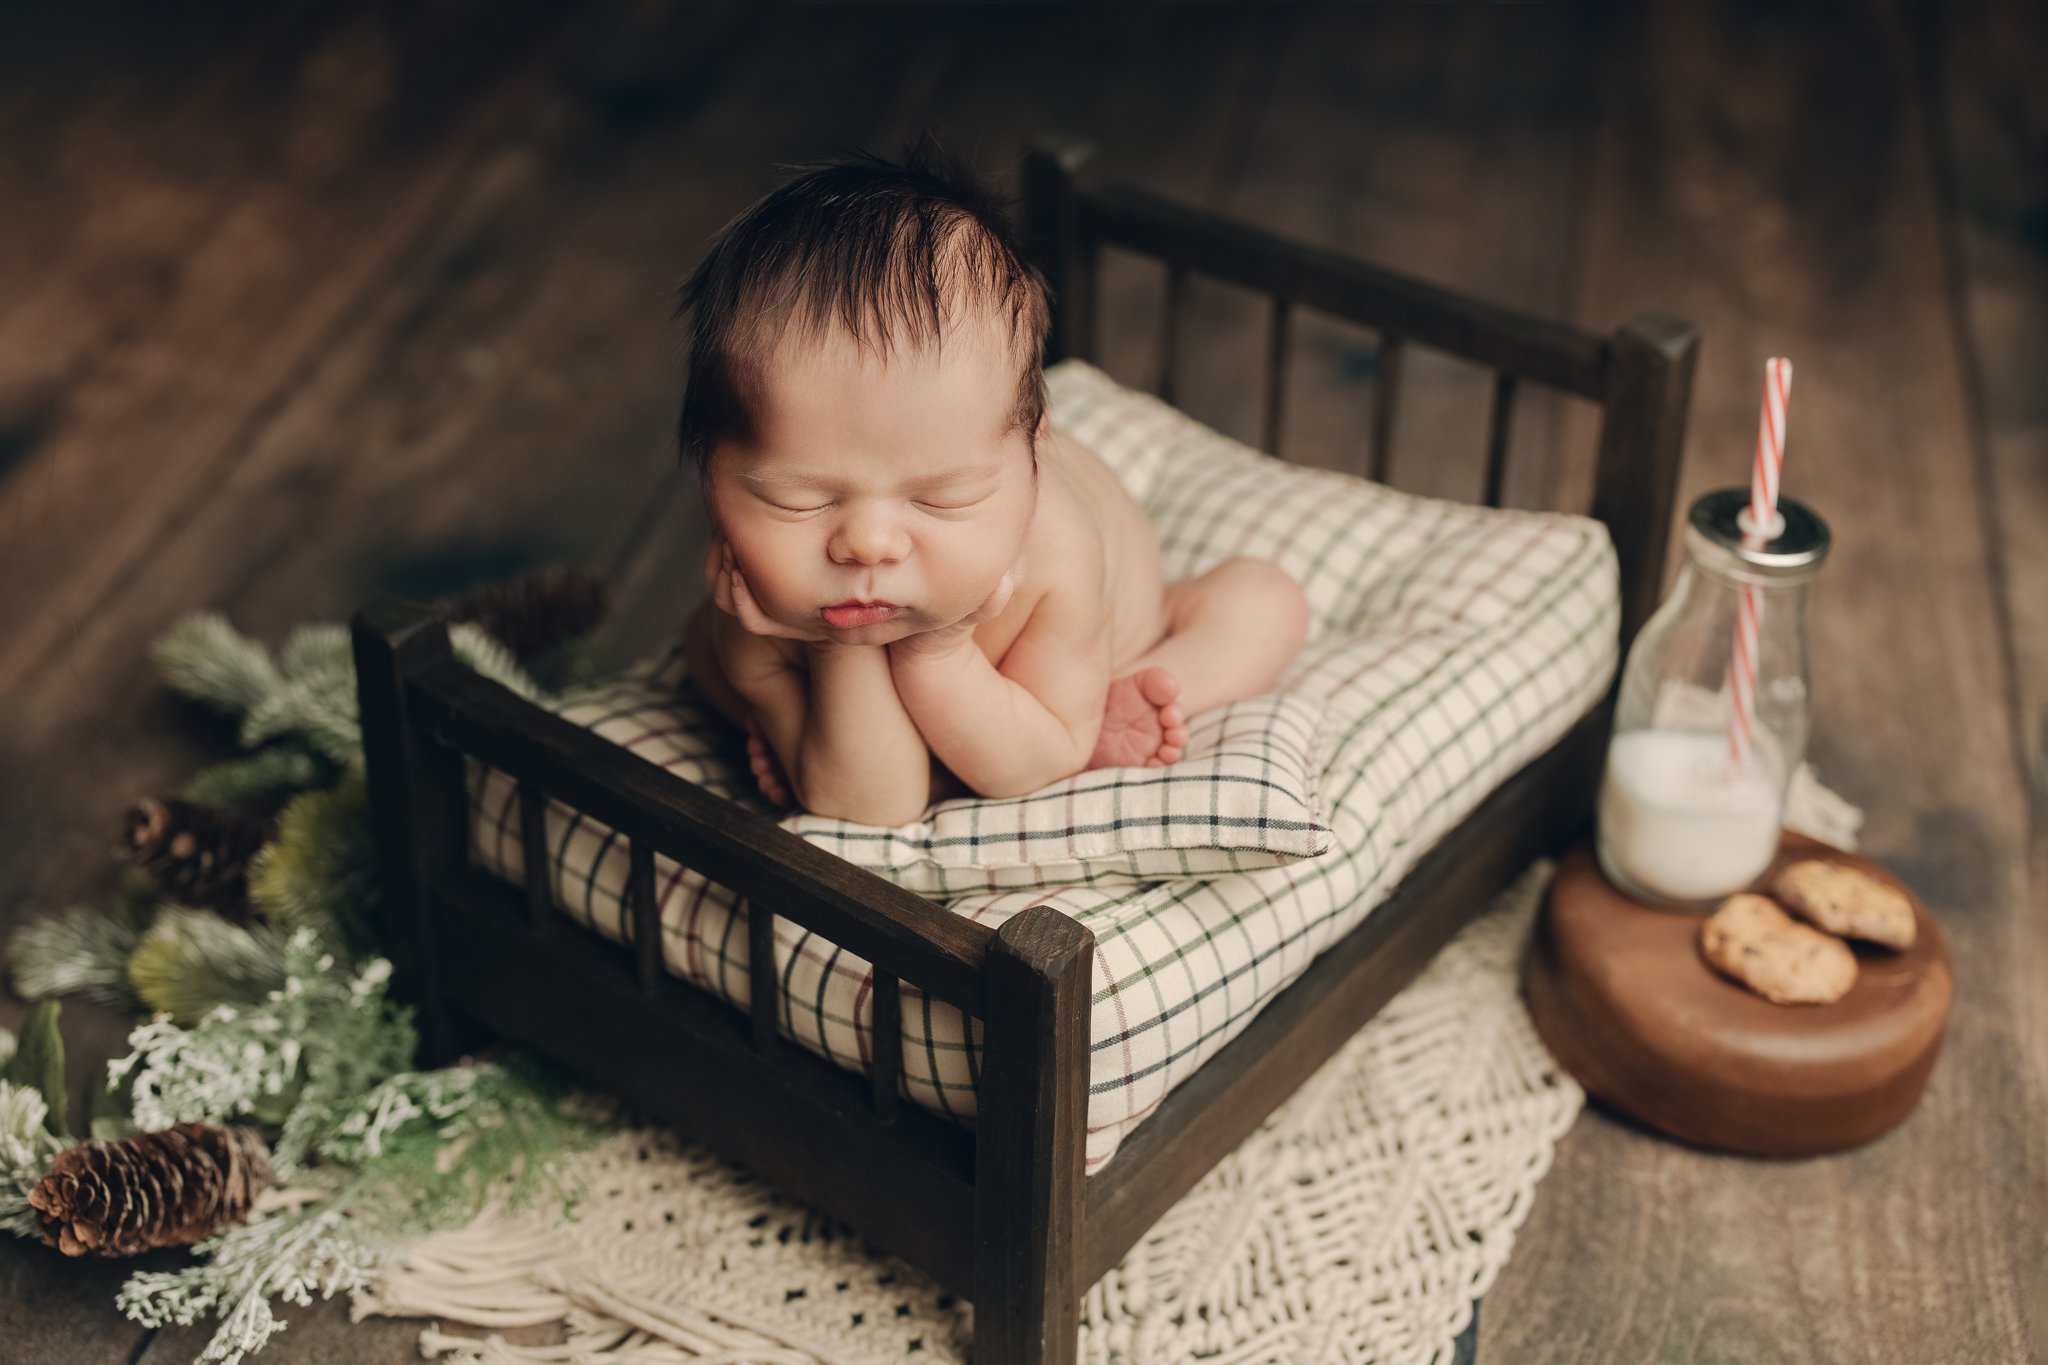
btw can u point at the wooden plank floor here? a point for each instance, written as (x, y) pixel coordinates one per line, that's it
(328, 301)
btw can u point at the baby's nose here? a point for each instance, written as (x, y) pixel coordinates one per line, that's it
(869, 537)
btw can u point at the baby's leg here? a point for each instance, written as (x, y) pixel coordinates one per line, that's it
(1230, 633)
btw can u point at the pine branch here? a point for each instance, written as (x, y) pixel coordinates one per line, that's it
(82, 950)
(191, 962)
(208, 660)
(320, 871)
(27, 1147)
(259, 782)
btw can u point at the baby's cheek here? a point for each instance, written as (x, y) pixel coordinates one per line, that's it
(777, 590)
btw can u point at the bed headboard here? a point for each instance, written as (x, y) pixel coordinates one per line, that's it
(1640, 375)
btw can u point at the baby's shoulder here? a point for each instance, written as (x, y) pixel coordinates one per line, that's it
(1065, 552)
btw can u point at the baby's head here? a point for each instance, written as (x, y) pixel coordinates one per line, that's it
(866, 392)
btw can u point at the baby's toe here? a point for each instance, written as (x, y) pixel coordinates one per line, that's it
(1157, 686)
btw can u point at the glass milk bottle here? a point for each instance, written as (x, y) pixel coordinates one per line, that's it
(1690, 813)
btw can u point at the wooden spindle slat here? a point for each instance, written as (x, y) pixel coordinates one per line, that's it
(1276, 371)
(765, 983)
(533, 846)
(1497, 432)
(887, 1033)
(1169, 328)
(646, 915)
(1386, 387)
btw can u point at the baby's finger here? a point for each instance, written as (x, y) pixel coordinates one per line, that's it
(746, 608)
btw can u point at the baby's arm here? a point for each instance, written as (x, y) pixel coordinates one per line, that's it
(1012, 730)
(831, 714)
(859, 757)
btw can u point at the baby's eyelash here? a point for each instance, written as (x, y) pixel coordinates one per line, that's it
(919, 502)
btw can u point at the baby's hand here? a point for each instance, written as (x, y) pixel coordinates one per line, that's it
(730, 594)
(946, 639)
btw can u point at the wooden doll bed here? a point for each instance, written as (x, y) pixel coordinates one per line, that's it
(1002, 1214)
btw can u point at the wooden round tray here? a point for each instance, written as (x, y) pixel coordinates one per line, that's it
(1621, 995)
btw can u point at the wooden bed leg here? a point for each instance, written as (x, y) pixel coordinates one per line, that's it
(418, 807)
(1028, 1205)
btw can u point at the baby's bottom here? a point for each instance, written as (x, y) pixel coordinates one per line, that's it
(1230, 633)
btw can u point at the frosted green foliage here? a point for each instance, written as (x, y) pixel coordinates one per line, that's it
(322, 647)
(419, 1153)
(299, 1058)
(260, 781)
(84, 950)
(190, 961)
(448, 1136)
(311, 698)
(321, 872)
(319, 709)
(210, 661)
(37, 1061)
(287, 1255)
(8, 1042)
(491, 659)
(26, 1149)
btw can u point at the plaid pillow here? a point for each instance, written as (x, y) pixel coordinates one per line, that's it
(1246, 795)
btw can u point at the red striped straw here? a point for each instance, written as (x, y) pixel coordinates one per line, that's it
(1760, 524)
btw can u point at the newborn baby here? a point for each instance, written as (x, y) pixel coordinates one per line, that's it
(919, 586)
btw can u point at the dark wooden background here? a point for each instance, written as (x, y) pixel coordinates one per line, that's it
(301, 303)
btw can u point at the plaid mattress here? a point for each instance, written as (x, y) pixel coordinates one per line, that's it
(1451, 644)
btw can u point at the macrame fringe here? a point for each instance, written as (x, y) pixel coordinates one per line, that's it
(1359, 1224)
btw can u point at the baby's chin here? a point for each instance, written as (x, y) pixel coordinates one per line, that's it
(902, 625)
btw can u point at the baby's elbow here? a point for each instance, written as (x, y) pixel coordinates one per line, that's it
(1024, 778)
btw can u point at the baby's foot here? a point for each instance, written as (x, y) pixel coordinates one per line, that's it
(768, 773)
(1142, 724)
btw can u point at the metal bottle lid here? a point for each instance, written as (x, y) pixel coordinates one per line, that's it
(1715, 535)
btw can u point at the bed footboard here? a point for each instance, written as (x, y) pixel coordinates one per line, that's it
(994, 1214)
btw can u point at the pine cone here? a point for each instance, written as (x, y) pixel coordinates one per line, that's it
(162, 1189)
(198, 854)
(537, 613)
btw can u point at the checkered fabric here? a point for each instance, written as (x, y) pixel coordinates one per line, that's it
(1247, 794)
(1451, 644)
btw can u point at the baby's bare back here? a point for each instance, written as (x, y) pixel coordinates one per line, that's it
(1085, 514)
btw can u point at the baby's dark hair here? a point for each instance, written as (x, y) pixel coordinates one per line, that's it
(882, 251)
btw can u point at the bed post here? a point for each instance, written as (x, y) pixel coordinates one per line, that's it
(1028, 1205)
(418, 803)
(1642, 437)
(1052, 235)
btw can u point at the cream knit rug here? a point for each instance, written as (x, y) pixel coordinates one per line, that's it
(1357, 1225)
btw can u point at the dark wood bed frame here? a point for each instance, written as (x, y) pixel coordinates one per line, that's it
(1002, 1214)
